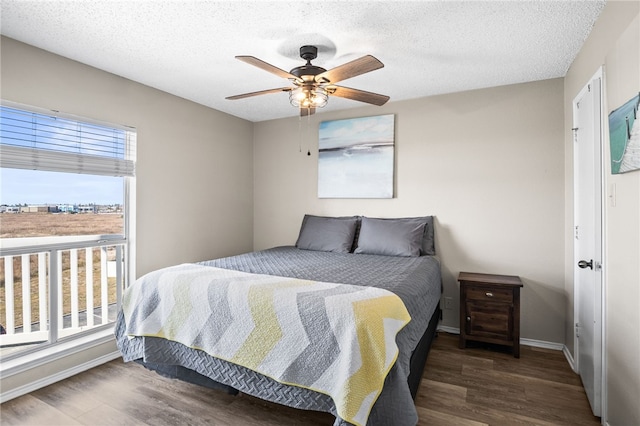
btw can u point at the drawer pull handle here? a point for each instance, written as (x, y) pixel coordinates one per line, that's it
(489, 294)
(468, 318)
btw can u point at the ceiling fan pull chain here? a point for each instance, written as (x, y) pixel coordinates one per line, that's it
(299, 133)
(308, 130)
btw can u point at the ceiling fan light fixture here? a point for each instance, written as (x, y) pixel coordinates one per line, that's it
(304, 97)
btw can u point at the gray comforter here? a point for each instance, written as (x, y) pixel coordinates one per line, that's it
(416, 280)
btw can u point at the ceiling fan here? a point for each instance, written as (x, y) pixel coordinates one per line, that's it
(312, 85)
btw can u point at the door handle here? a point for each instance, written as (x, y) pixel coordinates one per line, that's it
(584, 264)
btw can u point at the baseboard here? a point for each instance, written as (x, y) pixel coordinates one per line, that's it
(450, 330)
(49, 380)
(570, 359)
(542, 344)
(526, 342)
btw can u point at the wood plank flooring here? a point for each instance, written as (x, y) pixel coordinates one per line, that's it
(474, 386)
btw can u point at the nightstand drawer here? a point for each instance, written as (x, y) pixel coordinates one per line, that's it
(489, 294)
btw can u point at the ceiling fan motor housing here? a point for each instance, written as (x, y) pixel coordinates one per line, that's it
(308, 71)
(308, 53)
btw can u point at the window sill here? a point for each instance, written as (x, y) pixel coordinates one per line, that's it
(38, 358)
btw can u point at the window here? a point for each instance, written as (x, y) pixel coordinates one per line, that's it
(66, 220)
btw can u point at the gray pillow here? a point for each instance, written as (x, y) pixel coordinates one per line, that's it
(391, 237)
(320, 233)
(428, 240)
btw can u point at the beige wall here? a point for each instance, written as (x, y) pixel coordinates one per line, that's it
(614, 43)
(487, 163)
(194, 169)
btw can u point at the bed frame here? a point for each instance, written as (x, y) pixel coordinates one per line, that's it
(421, 352)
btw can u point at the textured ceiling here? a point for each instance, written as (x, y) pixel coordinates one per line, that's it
(187, 48)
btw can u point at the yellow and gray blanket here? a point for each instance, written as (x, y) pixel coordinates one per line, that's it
(336, 339)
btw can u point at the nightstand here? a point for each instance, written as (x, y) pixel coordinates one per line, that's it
(490, 309)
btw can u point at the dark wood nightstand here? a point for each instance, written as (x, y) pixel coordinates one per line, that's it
(490, 309)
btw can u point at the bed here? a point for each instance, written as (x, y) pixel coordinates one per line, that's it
(387, 259)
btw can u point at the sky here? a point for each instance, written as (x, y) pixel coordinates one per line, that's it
(19, 186)
(51, 133)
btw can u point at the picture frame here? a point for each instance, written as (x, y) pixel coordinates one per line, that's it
(624, 136)
(356, 157)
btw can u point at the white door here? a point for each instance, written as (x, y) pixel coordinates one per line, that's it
(588, 239)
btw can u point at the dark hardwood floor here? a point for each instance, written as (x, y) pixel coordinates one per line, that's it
(477, 386)
(474, 386)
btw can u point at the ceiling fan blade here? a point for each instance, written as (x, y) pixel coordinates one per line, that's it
(307, 111)
(350, 69)
(261, 92)
(251, 60)
(358, 95)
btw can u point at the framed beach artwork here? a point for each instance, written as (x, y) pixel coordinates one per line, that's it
(624, 136)
(356, 157)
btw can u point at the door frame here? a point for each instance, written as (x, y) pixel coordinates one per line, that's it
(599, 75)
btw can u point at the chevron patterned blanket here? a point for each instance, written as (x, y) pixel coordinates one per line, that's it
(337, 339)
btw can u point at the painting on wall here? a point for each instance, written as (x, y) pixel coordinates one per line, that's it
(356, 157)
(624, 137)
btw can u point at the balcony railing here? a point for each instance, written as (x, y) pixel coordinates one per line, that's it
(54, 287)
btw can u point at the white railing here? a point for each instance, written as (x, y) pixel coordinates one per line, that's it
(55, 287)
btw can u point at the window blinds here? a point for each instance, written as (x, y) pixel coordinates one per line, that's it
(40, 141)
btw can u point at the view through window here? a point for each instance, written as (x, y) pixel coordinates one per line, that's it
(64, 218)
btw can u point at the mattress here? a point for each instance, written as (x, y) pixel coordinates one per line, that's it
(415, 280)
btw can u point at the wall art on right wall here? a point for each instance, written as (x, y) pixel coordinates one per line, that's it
(624, 136)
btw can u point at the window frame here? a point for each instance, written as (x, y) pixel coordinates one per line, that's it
(49, 351)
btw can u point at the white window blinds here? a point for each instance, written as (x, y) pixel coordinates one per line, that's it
(40, 141)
